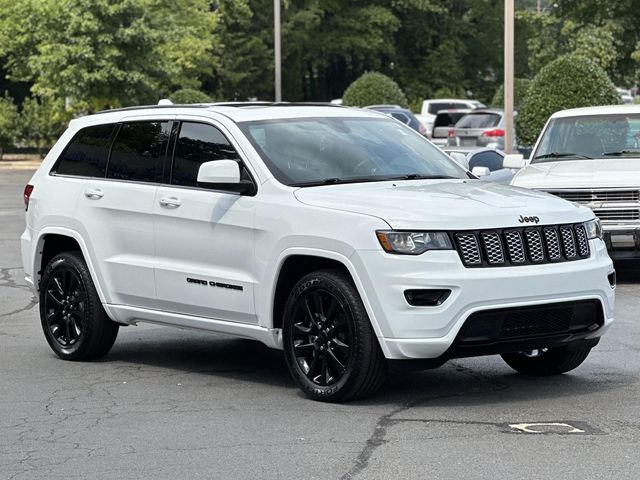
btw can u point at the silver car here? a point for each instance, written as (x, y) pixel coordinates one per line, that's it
(479, 128)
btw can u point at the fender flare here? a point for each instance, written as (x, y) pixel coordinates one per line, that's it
(67, 232)
(315, 252)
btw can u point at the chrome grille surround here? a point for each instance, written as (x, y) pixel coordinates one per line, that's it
(522, 246)
(582, 240)
(469, 248)
(515, 247)
(568, 242)
(534, 244)
(493, 247)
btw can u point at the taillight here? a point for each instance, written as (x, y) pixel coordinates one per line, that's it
(421, 129)
(496, 132)
(27, 194)
(451, 133)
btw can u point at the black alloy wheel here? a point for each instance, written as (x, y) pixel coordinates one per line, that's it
(64, 305)
(73, 319)
(330, 347)
(322, 337)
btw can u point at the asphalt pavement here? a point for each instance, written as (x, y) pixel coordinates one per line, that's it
(169, 403)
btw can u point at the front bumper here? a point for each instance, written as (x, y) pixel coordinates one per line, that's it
(410, 332)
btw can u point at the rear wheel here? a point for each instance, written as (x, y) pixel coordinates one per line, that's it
(73, 319)
(330, 347)
(547, 361)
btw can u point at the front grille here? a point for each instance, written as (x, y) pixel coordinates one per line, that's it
(617, 215)
(536, 321)
(590, 196)
(522, 246)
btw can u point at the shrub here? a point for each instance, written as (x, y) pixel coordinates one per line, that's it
(520, 89)
(567, 82)
(8, 122)
(189, 95)
(374, 88)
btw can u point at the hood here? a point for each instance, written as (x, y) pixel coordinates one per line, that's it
(444, 204)
(607, 173)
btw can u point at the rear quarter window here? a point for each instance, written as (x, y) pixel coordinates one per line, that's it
(87, 153)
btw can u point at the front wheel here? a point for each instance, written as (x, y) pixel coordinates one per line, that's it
(330, 347)
(547, 361)
(73, 319)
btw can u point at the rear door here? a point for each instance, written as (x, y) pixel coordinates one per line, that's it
(117, 211)
(204, 238)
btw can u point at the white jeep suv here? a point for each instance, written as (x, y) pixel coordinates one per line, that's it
(338, 235)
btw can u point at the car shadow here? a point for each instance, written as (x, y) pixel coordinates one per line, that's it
(457, 383)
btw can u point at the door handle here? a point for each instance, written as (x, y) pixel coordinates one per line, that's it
(94, 193)
(170, 202)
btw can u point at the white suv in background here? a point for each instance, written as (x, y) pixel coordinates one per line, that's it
(338, 235)
(591, 156)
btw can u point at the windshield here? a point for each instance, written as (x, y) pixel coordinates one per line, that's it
(308, 151)
(588, 137)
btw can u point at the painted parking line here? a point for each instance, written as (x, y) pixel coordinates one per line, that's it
(554, 428)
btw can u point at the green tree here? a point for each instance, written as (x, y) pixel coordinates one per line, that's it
(568, 82)
(42, 121)
(189, 95)
(520, 89)
(8, 123)
(245, 50)
(103, 53)
(374, 88)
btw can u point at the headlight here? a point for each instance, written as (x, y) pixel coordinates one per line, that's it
(594, 229)
(413, 243)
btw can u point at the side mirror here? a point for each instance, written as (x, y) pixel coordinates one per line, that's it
(461, 158)
(481, 172)
(513, 160)
(222, 175)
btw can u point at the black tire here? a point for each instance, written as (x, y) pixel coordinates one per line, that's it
(338, 335)
(73, 319)
(552, 361)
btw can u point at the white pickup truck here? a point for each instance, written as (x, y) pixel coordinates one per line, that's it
(591, 156)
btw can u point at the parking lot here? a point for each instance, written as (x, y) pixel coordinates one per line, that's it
(169, 403)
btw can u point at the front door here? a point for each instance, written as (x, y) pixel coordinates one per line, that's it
(204, 239)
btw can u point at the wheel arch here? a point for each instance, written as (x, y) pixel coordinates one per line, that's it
(294, 264)
(55, 240)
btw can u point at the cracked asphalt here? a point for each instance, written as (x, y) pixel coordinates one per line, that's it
(169, 403)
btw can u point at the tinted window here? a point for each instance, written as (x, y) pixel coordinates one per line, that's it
(198, 143)
(447, 119)
(400, 116)
(138, 152)
(87, 153)
(479, 120)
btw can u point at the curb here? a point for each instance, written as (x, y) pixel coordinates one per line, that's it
(20, 165)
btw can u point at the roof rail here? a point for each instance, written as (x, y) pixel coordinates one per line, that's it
(224, 104)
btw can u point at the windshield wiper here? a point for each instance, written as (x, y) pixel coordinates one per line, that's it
(336, 180)
(563, 155)
(418, 176)
(619, 153)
